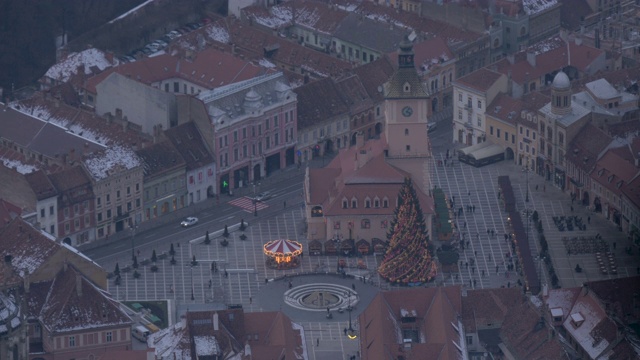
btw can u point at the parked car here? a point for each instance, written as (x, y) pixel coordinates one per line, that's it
(173, 34)
(190, 221)
(431, 126)
(263, 196)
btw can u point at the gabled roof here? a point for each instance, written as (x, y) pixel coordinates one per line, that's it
(17, 190)
(208, 68)
(41, 185)
(374, 75)
(358, 29)
(354, 94)
(230, 332)
(526, 338)
(480, 80)
(161, 158)
(24, 248)
(8, 212)
(436, 310)
(587, 145)
(505, 108)
(189, 142)
(314, 15)
(550, 55)
(70, 178)
(319, 101)
(488, 306)
(615, 169)
(618, 296)
(87, 62)
(70, 302)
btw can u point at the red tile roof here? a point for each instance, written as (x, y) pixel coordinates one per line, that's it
(70, 303)
(481, 79)
(586, 146)
(436, 310)
(615, 169)
(551, 56)
(482, 309)
(209, 68)
(8, 212)
(526, 339)
(505, 108)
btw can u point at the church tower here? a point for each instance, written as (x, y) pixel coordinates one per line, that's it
(561, 94)
(406, 109)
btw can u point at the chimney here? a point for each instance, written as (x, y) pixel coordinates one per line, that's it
(511, 59)
(8, 258)
(216, 326)
(531, 58)
(79, 285)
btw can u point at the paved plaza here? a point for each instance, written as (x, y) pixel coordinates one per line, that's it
(242, 276)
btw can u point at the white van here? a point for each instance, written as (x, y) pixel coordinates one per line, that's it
(141, 333)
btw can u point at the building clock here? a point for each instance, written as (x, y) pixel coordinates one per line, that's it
(407, 111)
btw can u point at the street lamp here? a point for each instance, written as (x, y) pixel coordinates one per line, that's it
(133, 234)
(351, 333)
(527, 174)
(255, 202)
(191, 269)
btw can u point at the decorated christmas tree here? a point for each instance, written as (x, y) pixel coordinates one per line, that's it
(407, 259)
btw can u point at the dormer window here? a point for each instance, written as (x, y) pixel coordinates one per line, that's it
(345, 204)
(406, 87)
(385, 203)
(354, 203)
(367, 203)
(376, 203)
(610, 178)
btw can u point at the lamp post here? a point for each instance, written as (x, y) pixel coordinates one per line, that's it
(133, 234)
(255, 202)
(351, 333)
(191, 270)
(527, 174)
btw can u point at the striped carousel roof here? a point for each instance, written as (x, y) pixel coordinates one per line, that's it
(283, 246)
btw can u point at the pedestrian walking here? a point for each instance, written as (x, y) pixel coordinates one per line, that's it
(589, 220)
(571, 208)
(285, 204)
(536, 187)
(469, 192)
(482, 273)
(317, 341)
(473, 208)
(474, 282)
(250, 300)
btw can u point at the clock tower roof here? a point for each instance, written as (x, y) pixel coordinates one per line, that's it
(405, 83)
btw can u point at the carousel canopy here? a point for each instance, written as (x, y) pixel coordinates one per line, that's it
(283, 247)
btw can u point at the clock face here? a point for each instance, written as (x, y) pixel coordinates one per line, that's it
(407, 111)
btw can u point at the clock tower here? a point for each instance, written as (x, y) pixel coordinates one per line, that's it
(406, 109)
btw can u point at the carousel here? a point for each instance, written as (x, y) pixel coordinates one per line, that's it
(283, 253)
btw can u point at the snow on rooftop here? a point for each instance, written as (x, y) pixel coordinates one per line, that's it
(536, 301)
(350, 7)
(63, 70)
(266, 63)
(113, 158)
(42, 113)
(218, 33)
(532, 7)
(555, 312)
(602, 89)
(586, 312)
(19, 166)
(544, 46)
(206, 345)
(387, 19)
(279, 16)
